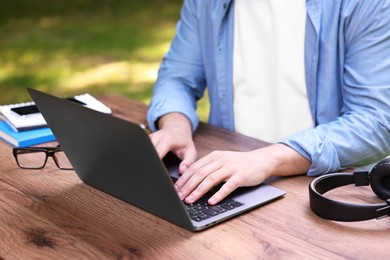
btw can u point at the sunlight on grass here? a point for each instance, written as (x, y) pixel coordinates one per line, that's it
(131, 73)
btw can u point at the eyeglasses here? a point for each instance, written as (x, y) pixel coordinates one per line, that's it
(36, 157)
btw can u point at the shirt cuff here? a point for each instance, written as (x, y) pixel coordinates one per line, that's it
(317, 149)
(160, 108)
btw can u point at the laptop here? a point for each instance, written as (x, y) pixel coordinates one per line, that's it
(117, 157)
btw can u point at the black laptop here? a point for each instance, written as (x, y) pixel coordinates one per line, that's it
(118, 158)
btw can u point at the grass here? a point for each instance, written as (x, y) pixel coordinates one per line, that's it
(69, 47)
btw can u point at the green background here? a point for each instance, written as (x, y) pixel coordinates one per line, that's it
(84, 46)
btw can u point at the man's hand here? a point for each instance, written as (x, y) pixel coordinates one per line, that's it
(175, 135)
(237, 169)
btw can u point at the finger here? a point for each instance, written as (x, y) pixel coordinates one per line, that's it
(189, 157)
(196, 173)
(183, 179)
(162, 149)
(224, 191)
(199, 164)
(201, 183)
(161, 144)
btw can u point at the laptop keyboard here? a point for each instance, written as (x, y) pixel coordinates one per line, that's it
(201, 210)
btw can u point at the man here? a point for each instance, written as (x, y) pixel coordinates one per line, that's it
(314, 73)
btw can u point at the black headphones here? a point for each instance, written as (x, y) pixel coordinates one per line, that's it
(378, 178)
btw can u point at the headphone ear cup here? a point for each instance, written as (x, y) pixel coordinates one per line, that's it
(380, 179)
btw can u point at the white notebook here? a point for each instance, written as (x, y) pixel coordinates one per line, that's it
(27, 117)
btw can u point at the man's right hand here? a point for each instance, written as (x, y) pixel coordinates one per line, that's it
(175, 135)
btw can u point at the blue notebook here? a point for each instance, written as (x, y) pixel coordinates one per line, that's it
(25, 138)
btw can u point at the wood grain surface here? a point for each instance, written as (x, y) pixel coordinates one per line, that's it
(51, 214)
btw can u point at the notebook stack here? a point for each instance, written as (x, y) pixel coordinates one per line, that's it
(23, 125)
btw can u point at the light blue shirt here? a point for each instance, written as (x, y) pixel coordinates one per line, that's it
(347, 72)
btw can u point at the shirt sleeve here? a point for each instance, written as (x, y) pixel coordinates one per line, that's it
(361, 135)
(181, 80)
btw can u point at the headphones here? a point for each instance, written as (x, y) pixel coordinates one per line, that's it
(378, 178)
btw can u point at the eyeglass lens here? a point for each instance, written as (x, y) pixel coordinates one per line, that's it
(32, 159)
(62, 161)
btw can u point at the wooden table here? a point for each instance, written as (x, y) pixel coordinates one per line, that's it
(51, 214)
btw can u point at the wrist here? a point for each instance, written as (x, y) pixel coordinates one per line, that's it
(175, 120)
(285, 161)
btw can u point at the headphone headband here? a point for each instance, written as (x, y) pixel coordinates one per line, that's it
(341, 211)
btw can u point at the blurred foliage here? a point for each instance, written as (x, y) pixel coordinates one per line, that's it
(69, 47)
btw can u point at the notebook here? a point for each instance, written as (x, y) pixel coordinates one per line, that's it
(25, 138)
(117, 157)
(26, 116)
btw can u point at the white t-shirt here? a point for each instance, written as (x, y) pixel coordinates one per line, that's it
(270, 99)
